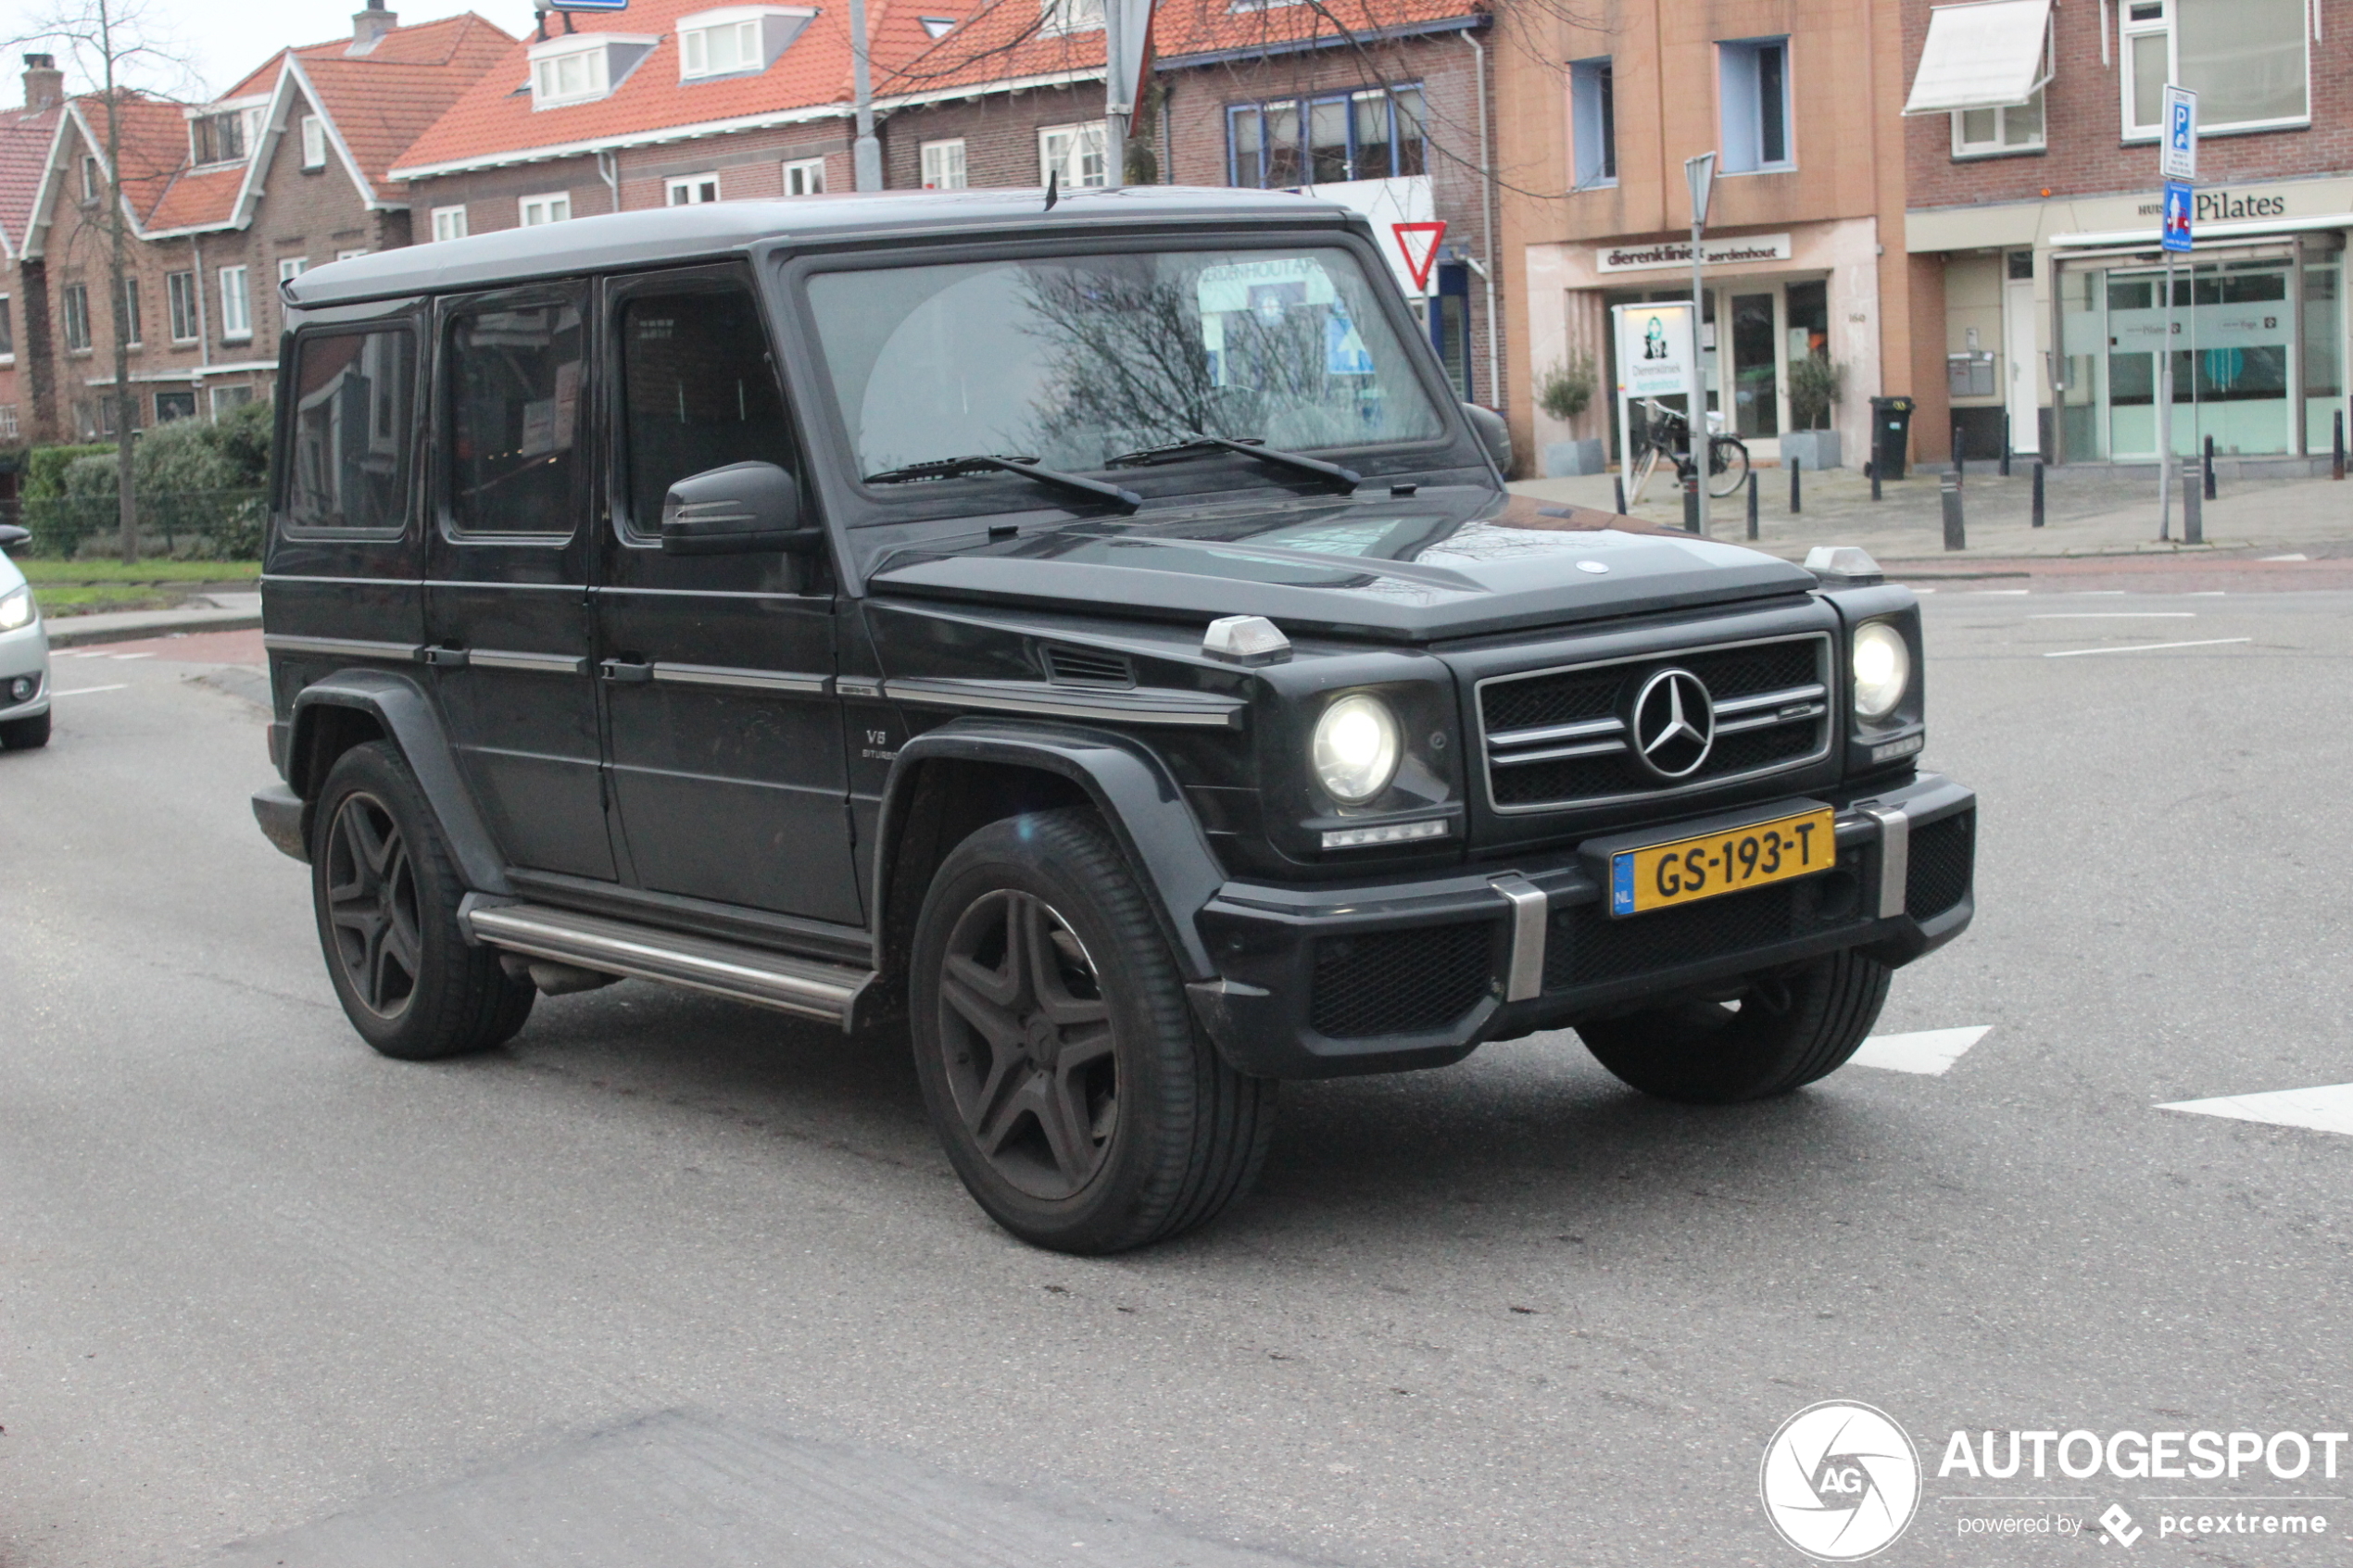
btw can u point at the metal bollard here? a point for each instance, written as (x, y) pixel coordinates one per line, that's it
(2005, 446)
(2209, 468)
(1950, 487)
(1691, 504)
(2336, 469)
(1794, 464)
(1617, 492)
(2193, 514)
(2038, 494)
(1873, 468)
(1959, 455)
(1752, 503)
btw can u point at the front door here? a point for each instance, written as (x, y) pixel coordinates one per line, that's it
(2022, 362)
(506, 617)
(728, 764)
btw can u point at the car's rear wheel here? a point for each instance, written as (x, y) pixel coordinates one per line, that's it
(1073, 1091)
(25, 734)
(1784, 1031)
(386, 897)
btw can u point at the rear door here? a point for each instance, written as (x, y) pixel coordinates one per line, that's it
(507, 614)
(727, 755)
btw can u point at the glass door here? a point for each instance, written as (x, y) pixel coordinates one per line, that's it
(2232, 338)
(1757, 406)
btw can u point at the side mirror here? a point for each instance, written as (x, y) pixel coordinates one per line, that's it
(1494, 435)
(12, 537)
(740, 509)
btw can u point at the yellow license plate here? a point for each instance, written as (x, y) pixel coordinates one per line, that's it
(1656, 876)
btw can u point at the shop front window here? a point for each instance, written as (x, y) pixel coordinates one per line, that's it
(2229, 338)
(2323, 352)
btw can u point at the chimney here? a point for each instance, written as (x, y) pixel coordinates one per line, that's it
(367, 27)
(44, 85)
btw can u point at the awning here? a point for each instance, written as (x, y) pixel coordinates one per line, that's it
(1991, 55)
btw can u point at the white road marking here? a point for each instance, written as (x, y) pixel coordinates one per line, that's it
(2206, 594)
(2148, 647)
(130, 656)
(1923, 590)
(2284, 558)
(85, 691)
(2114, 615)
(1989, 592)
(2328, 1109)
(1931, 1051)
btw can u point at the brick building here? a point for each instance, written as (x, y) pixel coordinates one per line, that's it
(220, 201)
(25, 135)
(1800, 102)
(2033, 211)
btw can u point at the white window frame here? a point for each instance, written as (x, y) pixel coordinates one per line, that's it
(2129, 29)
(1727, 50)
(134, 312)
(91, 184)
(180, 307)
(1078, 140)
(689, 190)
(2001, 146)
(292, 266)
(1593, 145)
(226, 401)
(314, 143)
(694, 49)
(810, 171)
(553, 206)
(1058, 18)
(352, 254)
(236, 306)
(449, 222)
(609, 58)
(73, 307)
(944, 167)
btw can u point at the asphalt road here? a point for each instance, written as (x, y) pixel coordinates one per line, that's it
(668, 1281)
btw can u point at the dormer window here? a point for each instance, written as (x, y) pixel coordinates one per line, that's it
(738, 41)
(582, 67)
(225, 133)
(938, 27)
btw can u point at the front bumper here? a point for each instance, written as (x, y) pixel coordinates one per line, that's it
(24, 656)
(1323, 981)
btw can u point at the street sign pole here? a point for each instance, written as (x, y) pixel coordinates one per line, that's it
(1701, 172)
(2177, 162)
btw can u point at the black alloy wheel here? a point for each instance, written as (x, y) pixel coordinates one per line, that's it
(1027, 1040)
(372, 906)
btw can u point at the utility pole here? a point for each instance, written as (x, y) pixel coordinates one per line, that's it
(1117, 108)
(866, 155)
(1701, 172)
(126, 407)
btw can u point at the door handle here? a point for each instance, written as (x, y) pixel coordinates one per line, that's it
(444, 657)
(622, 672)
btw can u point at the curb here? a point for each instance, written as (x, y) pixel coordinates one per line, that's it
(63, 635)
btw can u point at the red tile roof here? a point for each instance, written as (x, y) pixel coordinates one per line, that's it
(495, 122)
(25, 136)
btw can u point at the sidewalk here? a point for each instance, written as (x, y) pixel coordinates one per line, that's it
(213, 613)
(2087, 513)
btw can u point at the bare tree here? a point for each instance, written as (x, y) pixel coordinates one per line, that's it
(111, 42)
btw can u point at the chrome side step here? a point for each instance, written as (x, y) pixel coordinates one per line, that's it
(809, 987)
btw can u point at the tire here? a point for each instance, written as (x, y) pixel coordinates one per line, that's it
(1786, 1031)
(25, 734)
(1728, 465)
(386, 897)
(1074, 1096)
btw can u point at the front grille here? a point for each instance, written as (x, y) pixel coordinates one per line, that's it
(1558, 737)
(1943, 855)
(1585, 947)
(1400, 981)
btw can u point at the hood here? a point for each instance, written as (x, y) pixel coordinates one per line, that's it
(1410, 569)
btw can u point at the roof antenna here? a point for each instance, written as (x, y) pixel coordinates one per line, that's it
(1052, 195)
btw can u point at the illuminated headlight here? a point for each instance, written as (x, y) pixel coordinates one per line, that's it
(1882, 668)
(1357, 749)
(16, 610)
(1388, 832)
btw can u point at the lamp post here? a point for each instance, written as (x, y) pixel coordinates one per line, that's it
(866, 153)
(1701, 172)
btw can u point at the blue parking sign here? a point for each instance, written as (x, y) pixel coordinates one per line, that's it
(2178, 207)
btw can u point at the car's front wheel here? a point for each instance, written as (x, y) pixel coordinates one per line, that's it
(386, 897)
(1073, 1091)
(1782, 1032)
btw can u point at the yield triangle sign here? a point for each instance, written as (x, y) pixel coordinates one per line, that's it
(1418, 241)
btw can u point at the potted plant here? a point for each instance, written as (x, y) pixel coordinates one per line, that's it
(1816, 382)
(1564, 391)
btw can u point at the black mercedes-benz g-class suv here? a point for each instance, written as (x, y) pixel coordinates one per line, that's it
(1087, 635)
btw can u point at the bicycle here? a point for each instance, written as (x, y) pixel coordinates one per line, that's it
(1727, 456)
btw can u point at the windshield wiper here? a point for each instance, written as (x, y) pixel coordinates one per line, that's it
(956, 467)
(1345, 480)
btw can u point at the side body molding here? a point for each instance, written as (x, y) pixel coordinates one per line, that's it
(1145, 810)
(407, 716)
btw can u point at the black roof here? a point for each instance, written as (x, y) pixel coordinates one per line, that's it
(687, 233)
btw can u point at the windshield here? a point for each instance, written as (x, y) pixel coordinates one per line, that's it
(1071, 362)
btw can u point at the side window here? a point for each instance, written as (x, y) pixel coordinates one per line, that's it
(514, 420)
(353, 392)
(697, 391)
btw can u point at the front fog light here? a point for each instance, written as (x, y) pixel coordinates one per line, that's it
(1882, 668)
(1357, 749)
(16, 610)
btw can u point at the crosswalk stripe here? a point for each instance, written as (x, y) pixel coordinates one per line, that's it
(1931, 1051)
(2326, 1109)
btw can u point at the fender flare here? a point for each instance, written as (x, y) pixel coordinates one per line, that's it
(407, 716)
(1142, 803)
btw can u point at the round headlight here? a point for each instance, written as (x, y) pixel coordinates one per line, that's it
(16, 610)
(1882, 668)
(1356, 749)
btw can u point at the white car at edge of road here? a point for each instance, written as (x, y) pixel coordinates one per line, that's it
(24, 655)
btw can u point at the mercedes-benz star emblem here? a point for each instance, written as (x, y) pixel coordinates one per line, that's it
(1673, 723)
